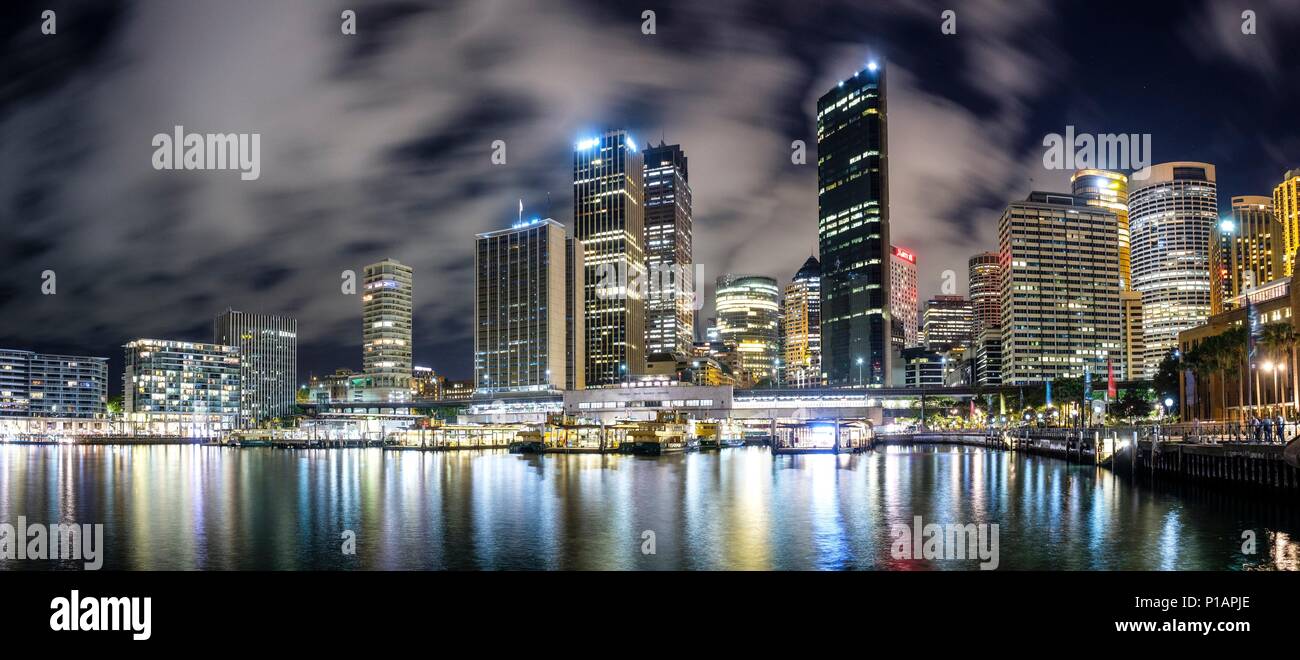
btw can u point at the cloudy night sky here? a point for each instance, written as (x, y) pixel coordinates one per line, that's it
(379, 144)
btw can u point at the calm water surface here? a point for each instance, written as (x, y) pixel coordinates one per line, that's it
(189, 507)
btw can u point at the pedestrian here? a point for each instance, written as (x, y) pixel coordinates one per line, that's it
(1255, 427)
(1281, 430)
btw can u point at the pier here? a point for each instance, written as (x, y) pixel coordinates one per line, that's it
(1202, 452)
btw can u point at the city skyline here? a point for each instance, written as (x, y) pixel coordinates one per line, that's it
(175, 297)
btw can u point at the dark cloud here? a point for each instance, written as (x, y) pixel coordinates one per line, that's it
(378, 145)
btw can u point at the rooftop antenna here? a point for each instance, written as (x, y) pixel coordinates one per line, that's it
(548, 204)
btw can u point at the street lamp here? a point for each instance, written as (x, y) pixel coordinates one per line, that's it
(861, 383)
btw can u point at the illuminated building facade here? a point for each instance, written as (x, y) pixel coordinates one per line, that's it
(609, 219)
(268, 362)
(1246, 251)
(853, 230)
(1109, 190)
(528, 320)
(45, 385)
(181, 387)
(801, 328)
(949, 322)
(749, 316)
(670, 308)
(1286, 206)
(1173, 209)
(1060, 288)
(903, 298)
(386, 306)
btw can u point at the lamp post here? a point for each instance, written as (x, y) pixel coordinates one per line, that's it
(861, 382)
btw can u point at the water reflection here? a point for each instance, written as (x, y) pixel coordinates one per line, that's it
(171, 507)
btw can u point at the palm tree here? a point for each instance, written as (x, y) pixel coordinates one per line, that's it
(1232, 356)
(1279, 339)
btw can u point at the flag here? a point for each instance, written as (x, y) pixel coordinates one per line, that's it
(1111, 390)
(1087, 383)
(1049, 393)
(1002, 403)
(972, 407)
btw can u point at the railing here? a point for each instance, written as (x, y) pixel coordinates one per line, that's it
(1255, 432)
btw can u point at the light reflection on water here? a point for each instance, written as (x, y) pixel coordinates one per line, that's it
(186, 507)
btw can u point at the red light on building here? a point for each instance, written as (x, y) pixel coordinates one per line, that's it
(904, 254)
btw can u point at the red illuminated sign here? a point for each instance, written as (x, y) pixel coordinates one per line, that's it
(904, 254)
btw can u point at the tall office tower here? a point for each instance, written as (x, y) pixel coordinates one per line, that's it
(853, 230)
(1246, 251)
(986, 323)
(1173, 208)
(1109, 190)
(609, 219)
(985, 292)
(1060, 288)
(949, 322)
(670, 312)
(526, 335)
(1286, 206)
(749, 317)
(268, 362)
(181, 387)
(802, 328)
(44, 385)
(902, 297)
(386, 334)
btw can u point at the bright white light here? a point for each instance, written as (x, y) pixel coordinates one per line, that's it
(871, 66)
(1227, 226)
(630, 144)
(587, 143)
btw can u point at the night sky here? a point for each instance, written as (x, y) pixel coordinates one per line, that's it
(378, 145)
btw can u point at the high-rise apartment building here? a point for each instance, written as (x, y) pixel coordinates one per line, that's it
(181, 387)
(1060, 288)
(386, 310)
(670, 303)
(268, 362)
(903, 298)
(528, 309)
(609, 219)
(1173, 209)
(1246, 251)
(801, 327)
(749, 317)
(853, 230)
(46, 385)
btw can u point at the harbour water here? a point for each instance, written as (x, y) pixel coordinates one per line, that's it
(214, 508)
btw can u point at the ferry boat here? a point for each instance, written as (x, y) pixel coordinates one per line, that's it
(250, 438)
(528, 442)
(719, 434)
(669, 433)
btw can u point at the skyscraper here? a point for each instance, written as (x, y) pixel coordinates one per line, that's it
(985, 292)
(609, 219)
(801, 327)
(1060, 288)
(268, 362)
(986, 322)
(902, 297)
(1286, 206)
(527, 332)
(1109, 190)
(949, 322)
(853, 230)
(386, 331)
(749, 317)
(670, 312)
(1173, 208)
(1246, 251)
